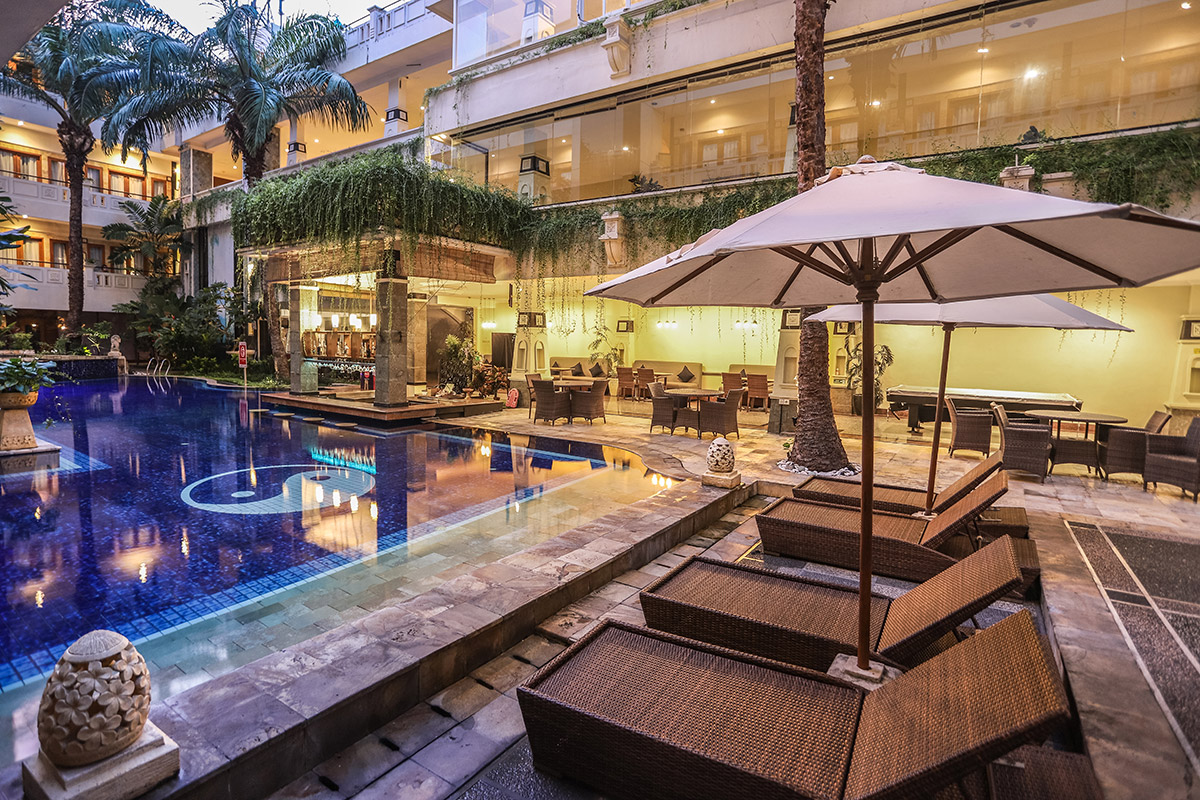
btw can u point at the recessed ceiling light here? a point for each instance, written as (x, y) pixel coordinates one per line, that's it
(982, 50)
(830, 77)
(381, 119)
(1185, 6)
(24, 216)
(876, 104)
(564, 141)
(626, 147)
(720, 131)
(20, 122)
(422, 108)
(316, 141)
(1031, 73)
(712, 102)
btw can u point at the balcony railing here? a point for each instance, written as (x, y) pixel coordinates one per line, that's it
(383, 20)
(60, 182)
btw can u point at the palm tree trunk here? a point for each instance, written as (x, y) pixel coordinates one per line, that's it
(817, 445)
(76, 142)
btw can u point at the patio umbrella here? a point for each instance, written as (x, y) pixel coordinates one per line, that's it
(1023, 311)
(886, 231)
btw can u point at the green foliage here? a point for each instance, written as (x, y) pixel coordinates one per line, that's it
(379, 191)
(202, 208)
(458, 361)
(662, 9)
(854, 367)
(179, 327)
(245, 69)
(1155, 169)
(19, 341)
(154, 231)
(24, 377)
(9, 240)
(601, 348)
(588, 30)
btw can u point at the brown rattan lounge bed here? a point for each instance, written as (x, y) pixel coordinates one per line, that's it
(897, 499)
(807, 623)
(904, 547)
(645, 714)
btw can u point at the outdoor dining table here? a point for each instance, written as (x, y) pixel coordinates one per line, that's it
(694, 394)
(1075, 451)
(572, 383)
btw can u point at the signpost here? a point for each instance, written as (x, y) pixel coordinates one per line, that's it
(242, 362)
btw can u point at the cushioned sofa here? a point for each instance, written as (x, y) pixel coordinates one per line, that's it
(675, 372)
(586, 366)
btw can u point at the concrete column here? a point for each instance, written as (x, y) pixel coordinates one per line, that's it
(195, 170)
(302, 307)
(397, 102)
(418, 335)
(391, 353)
(297, 147)
(271, 156)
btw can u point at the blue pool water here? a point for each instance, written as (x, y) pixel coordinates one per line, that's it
(175, 501)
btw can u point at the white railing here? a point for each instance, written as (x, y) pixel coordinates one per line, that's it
(382, 21)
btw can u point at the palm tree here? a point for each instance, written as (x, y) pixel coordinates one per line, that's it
(52, 69)
(154, 231)
(817, 444)
(242, 70)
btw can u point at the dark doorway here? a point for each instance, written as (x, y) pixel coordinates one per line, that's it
(503, 345)
(442, 321)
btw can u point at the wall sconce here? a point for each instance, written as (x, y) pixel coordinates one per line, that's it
(532, 163)
(396, 115)
(297, 147)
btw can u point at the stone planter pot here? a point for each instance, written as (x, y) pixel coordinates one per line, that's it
(16, 429)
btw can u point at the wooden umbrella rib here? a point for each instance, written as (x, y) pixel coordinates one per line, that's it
(946, 241)
(933, 295)
(847, 260)
(791, 279)
(1166, 222)
(1058, 252)
(712, 262)
(808, 261)
(902, 242)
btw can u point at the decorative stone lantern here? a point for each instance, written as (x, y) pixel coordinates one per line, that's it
(96, 701)
(97, 741)
(720, 461)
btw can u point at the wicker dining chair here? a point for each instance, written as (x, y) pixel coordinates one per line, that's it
(626, 382)
(1027, 447)
(551, 405)
(645, 377)
(720, 419)
(530, 377)
(969, 429)
(731, 381)
(1123, 448)
(589, 403)
(1174, 460)
(757, 388)
(664, 408)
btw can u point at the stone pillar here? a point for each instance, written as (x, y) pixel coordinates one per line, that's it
(391, 353)
(1018, 177)
(271, 156)
(302, 308)
(396, 117)
(297, 147)
(418, 336)
(195, 170)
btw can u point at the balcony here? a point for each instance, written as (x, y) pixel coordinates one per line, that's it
(47, 288)
(48, 199)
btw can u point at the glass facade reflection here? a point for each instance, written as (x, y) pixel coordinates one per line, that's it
(1063, 68)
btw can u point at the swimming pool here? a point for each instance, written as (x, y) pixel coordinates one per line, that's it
(177, 502)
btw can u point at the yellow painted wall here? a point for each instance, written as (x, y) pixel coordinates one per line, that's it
(1133, 383)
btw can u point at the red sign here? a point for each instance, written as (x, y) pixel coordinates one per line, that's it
(241, 355)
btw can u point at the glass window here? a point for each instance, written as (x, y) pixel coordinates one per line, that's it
(1064, 67)
(31, 251)
(137, 187)
(95, 255)
(91, 177)
(485, 27)
(116, 183)
(28, 166)
(58, 254)
(58, 171)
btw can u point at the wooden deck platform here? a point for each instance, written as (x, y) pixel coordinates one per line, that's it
(362, 410)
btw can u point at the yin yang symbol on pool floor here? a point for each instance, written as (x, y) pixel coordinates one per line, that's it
(279, 489)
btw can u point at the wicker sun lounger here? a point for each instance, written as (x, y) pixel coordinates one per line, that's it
(808, 623)
(645, 714)
(904, 547)
(897, 499)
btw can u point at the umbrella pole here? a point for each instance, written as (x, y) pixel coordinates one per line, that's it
(947, 328)
(867, 297)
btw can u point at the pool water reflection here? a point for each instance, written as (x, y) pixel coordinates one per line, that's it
(194, 502)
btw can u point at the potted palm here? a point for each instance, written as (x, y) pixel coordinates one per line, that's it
(19, 385)
(854, 371)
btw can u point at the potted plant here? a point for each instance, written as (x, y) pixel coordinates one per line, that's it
(854, 365)
(19, 384)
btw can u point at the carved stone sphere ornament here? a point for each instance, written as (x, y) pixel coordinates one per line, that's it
(96, 701)
(720, 455)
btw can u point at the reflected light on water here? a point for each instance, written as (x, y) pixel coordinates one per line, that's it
(374, 510)
(184, 547)
(353, 502)
(39, 597)
(142, 572)
(320, 494)
(337, 498)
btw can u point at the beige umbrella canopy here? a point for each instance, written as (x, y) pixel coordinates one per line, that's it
(891, 232)
(1021, 311)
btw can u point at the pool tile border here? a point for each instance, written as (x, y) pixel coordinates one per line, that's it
(261, 726)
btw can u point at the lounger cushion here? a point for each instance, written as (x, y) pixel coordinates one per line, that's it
(954, 713)
(732, 711)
